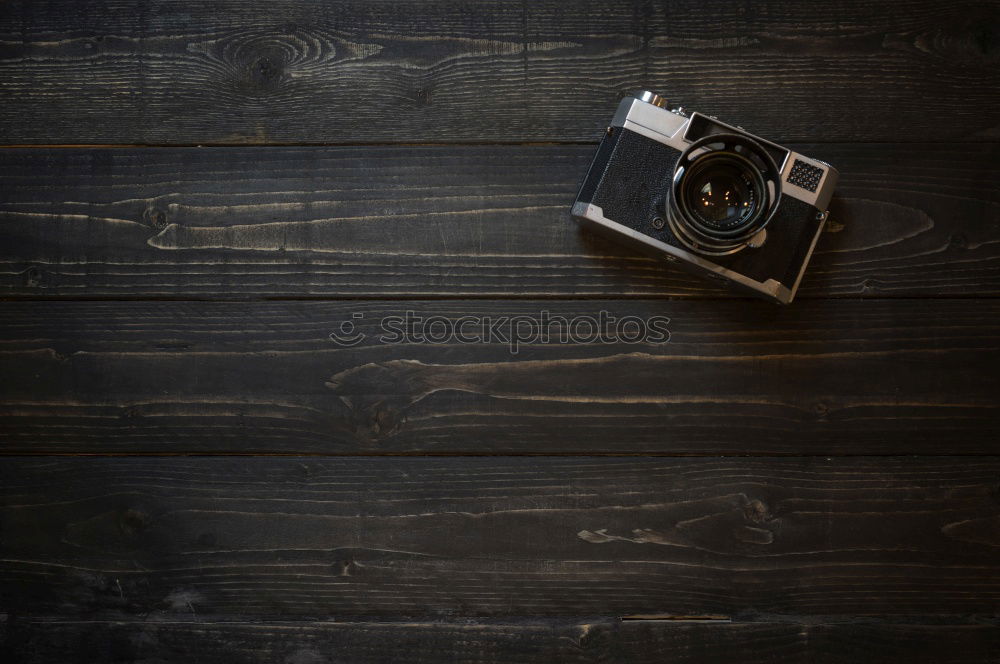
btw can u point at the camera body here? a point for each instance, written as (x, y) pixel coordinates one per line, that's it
(711, 197)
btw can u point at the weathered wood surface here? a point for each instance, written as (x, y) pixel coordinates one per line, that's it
(833, 377)
(475, 220)
(174, 639)
(287, 536)
(156, 71)
(813, 555)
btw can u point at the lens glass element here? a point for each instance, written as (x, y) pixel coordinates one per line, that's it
(722, 194)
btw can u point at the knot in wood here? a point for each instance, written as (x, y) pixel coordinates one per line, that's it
(260, 62)
(756, 511)
(33, 277)
(155, 217)
(265, 72)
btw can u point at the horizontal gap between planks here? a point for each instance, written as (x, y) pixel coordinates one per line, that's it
(930, 620)
(378, 144)
(368, 454)
(418, 297)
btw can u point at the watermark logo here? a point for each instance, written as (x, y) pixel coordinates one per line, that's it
(348, 335)
(512, 331)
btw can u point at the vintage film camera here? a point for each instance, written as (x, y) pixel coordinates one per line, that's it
(711, 197)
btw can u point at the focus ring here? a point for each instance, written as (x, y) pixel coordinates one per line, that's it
(723, 155)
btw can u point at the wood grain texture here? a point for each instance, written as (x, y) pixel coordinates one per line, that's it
(169, 639)
(323, 503)
(159, 71)
(835, 377)
(500, 536)
(474, 220)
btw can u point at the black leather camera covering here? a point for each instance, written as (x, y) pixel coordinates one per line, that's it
(630, 179)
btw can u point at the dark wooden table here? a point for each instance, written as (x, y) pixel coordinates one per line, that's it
(194, 195)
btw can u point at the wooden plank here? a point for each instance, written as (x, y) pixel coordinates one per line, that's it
(156, 71)
(168, 639)
(473, 220)
(499, 536)
(727, 377)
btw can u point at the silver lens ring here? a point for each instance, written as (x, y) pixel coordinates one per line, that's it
(739, 167)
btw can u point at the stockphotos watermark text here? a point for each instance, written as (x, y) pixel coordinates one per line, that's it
(512, 331)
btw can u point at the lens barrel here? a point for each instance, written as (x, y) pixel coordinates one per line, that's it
(725, 189)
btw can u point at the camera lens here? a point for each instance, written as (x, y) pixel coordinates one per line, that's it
(722, 194)
(724, 191)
